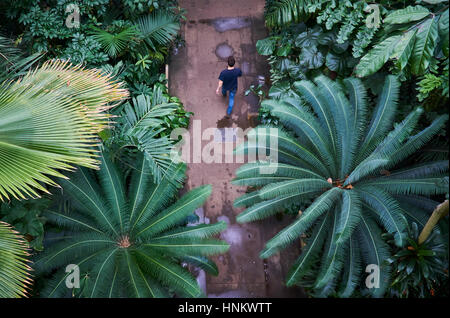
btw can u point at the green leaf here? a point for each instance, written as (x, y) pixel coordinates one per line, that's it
(266, 46)
(312, 57)
(14, 268)
(284, 50)
(402, 51)
(376, 57)
(308, 38)
(49, 121)
(443, 31)
(336, 62)
(426, 41)
(409, 14)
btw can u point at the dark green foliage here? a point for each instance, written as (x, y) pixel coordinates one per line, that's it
(129, 241)
(413, 37)
(12, 61)
(145, 124)
(283, 12)
(298, 52)
(350, 161)
(26, 218)
(421, 270)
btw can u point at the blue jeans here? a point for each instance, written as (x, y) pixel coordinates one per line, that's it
(230, 101)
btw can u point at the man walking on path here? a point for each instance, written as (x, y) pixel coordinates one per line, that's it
(228, 80)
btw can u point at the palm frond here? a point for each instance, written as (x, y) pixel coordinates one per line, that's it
(383, 115)
(352, 270)
(321, 205)
(374, 251)
(388, 210)
(284, 12)
(332, 257)
(115, 44)
(74, 101)
(157, 28)
(15, 278)
(310, 254)
(351, 186)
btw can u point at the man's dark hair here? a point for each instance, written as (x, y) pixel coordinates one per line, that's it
(231, 61)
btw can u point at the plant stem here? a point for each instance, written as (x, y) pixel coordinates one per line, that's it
(440, 212)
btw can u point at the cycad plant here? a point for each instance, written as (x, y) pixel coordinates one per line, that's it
(130, 242)
(49, 120)
(350, 168)
(14, 264)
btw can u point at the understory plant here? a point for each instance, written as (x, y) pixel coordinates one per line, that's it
(143, 126)
(129, 241)
(352, 163)
(420, 269)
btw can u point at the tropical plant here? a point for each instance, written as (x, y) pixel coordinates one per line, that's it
(25, 217)
(421, 269)
(12, 61)
(115, 43)
(284, 12)
(130, 242)
(331, 154)
(349, 19)
(14, 264)
(49, 120)
(140, 128)
(299, 52)
(410, 39)
(157, 29)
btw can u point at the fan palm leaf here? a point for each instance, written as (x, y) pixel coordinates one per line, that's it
(49, 120)
(14, 264)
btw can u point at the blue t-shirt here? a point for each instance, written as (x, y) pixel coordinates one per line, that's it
(229, 78)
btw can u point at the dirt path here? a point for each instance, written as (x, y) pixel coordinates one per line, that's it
(214, 29)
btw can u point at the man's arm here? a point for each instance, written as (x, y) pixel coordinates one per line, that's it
(219, 86)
